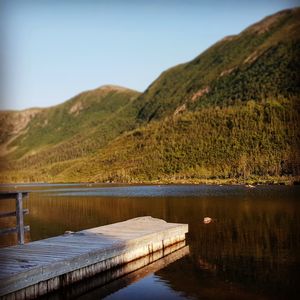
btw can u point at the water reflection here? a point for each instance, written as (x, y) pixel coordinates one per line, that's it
(103, 284)
(252, 248)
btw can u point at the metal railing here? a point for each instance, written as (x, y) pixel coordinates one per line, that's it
(19, 213)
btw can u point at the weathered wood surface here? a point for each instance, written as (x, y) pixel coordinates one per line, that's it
(106, 283)
(20, 218)
(18, 213)
(42, 266)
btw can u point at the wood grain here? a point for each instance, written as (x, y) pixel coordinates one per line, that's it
(43, 266)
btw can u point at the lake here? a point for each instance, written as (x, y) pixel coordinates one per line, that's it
(251, 250)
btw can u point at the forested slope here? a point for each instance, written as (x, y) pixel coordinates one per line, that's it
(230, 114)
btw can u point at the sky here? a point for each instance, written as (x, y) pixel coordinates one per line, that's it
(52, 50)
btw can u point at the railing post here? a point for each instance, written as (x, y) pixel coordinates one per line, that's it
(20, 218)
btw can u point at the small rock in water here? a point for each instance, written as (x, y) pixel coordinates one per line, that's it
(68, 232)
(250, 186)
(207, 220)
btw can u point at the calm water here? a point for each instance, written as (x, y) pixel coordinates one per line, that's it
(250, 251)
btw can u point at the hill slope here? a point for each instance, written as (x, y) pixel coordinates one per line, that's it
(73, 129)
(232, 113)
(261, 62)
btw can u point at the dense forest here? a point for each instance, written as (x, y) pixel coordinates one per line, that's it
(231, 114)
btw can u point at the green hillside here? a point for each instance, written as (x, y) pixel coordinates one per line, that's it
(252, 142)
(230, 114)
(260, 63)
(75, 128)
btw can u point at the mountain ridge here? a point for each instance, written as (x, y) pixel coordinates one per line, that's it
(222, 56)
(248, 85)
(82, 109)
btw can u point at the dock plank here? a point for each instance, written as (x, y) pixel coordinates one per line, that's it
(62, 260)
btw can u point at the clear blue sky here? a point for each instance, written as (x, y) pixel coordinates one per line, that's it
(52, 50)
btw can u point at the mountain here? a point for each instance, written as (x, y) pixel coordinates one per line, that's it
(261, 62)
(231, 114)
(73, 129)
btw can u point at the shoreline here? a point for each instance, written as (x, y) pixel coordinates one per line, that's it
(232, 181)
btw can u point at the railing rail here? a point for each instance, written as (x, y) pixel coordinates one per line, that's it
(19, 213)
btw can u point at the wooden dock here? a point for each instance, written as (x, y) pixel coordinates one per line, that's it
(19, 213)
(106, 283)
(37, 268)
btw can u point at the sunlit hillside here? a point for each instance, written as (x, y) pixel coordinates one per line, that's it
(230, 114)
